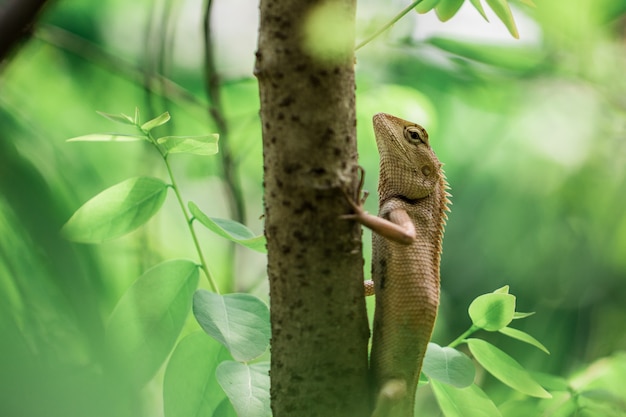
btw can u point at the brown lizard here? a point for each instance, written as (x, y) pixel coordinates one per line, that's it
(405, 262)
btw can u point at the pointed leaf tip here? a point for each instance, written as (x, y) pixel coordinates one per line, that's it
(156, 122)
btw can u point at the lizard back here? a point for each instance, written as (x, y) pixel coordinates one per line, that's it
(406, 277)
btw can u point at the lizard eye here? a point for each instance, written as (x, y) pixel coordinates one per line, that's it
(416, 135)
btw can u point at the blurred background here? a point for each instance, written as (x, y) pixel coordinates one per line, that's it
(531, 131)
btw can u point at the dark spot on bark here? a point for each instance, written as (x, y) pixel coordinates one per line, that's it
(280, 35)
(337, 152)
(304, 207)
(279, 183)
(347, 138)
(328, 291)
(285, 249)
(318, 171)
(286, 203)
(273, 140)
(292, 168)
(295, 118)
(267, 125)
(280, 116)
(298, 235)
(286, 101)
(300, 67)
(336, 70)
(315, 81)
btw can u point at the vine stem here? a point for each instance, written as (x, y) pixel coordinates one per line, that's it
(389, 24)
(188, 218)
(462, 338)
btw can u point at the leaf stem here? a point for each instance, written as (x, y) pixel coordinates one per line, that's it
(464, 336)
(389, 24)
(188, 218)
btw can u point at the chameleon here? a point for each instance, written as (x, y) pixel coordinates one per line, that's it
(407, 239)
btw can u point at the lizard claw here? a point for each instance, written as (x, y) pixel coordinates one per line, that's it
(357, 201)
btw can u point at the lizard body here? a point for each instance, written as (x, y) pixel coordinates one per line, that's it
(405, 262)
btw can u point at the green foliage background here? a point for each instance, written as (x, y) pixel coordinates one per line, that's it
(532, 133)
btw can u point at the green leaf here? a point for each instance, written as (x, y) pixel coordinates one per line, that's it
(117, 210)
(551, 382)
(520, 315)
(502, 10)
(463, 402)
(505, 368)
(425, 6)
(229, 229)
(524, 337)
(146, 322)
(107, 137)
(197, 145)
(247, 387)
(479, 6)
(118, 118)
(492, 311)
(445, 9)
(136, 119)
(225, 409)
(517, 58)
(241, 322)
(448, 365)
(502, 290)
(157, 121)
(190, 387)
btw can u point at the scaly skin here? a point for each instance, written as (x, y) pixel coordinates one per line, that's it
(405, 263)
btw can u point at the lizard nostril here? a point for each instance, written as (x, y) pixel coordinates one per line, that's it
(426, 170)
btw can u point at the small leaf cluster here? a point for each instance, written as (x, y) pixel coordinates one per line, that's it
(146, 323)
(451, 372)
(446, 9)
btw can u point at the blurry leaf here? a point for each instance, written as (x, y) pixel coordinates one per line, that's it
(551, 382)
(518, 58)
(190, 387)
(492, 311)
(505, 368)
(241, 322)
(198, 145)
(445, 9)
(247, 387)
(117, 210)
(121, 118)
(502, 10)
(146, 322)
(229, 229)
(463, 402)
(520, 315)
(136, 119)
(528, 3)
(157, 121)
(479, 6)
(107, 137)
(448, 365)
(426, 5)
(502, 290)
(604, 396)
(225, 409)
(524, 337)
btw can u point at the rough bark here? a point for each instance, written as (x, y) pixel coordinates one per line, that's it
(319, 325)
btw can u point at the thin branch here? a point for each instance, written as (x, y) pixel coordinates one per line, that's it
(388, 25)
(216, 110)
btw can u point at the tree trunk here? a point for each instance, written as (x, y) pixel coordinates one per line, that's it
(315, 266)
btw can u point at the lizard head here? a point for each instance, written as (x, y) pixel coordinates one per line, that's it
(409, 167)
